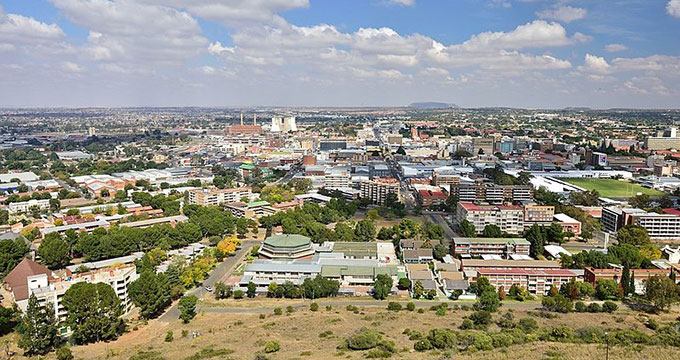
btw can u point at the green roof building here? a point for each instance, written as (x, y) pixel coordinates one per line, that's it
(286, 247)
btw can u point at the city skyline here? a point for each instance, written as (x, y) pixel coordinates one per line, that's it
(515, 53)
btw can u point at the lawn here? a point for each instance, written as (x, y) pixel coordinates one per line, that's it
(613, 188)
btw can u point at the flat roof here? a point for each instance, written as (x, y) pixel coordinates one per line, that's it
(517, 241)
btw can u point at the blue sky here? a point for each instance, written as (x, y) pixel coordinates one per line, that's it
(522, 53)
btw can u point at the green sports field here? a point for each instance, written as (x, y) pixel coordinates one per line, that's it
(613, 188)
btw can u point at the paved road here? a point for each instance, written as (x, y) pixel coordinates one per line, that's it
(218, 274)
(343, 302)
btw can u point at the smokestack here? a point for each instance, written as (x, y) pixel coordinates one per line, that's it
(241, 119)
(255, 119)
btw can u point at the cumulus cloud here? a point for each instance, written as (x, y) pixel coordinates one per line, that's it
(565, 14)
(595, 64)
(615, 47)
(19, 29)
(673, 8)
(134, 34)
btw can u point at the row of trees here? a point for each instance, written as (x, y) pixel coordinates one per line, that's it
(311, 220)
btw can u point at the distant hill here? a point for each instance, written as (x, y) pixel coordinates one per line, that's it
(432, 105)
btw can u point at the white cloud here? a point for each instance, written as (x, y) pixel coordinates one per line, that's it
(234, 12)
(71, 67)
(615, 47)
(19, 29)
(134, 33)
(402, 2)
(673, 8)
(565, 14)
(536, 34)
(595, 64)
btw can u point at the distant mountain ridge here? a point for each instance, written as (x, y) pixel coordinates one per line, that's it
(433, 105)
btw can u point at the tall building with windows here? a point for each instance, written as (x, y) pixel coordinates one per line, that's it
(377, 189)
(215, 196)
(509, 218)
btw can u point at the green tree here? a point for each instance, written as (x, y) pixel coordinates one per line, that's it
(488, 301)
(8, 317)
(365, 231)
(385, 233)
(38, 328)
(606, 289)
(492, 231)
(54, 251)
(93, 312)
(661, 292)
(633, 235)
(555, 234)
(150, 293)
(382, 286)
(11, 253)
(187, 308)
(641, 201)
(439, 251)
(222, 291)
(627, 282)
(536, 236)
(252, 288)
(467, 229)
(418, 290)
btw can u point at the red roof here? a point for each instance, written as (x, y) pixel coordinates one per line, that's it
(671, 211)
(16, 279)
(427, 194)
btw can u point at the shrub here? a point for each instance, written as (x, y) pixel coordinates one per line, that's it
(528, 324)
(64, 353)
(410, 306)
(169, 336)
(263, 316)
(421, 311)
(652, 324)
(351, 308)
(609, 306)
(329, 308)
(594, 308)
(278, 311)
(557, 303)
(467, 324)
(422, 345)
(314, 307)
(326, 334)
(290, 309)
(238, 294)
(394, 306)
(442, 338)
(271, 347)
(364, 339)
(481, 318)
(378, 354)
(580, 307)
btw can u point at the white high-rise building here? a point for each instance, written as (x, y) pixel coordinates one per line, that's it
(283, 124)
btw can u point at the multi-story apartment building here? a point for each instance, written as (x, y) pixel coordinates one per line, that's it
(214, 196)
(503, 247)
(429, 198)
(491, 193)
(538, 214)
(509, 218)
(25, 206)
(377, 189)
(486, 145)
(659, 226)
(30, 278)
(537, 282)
